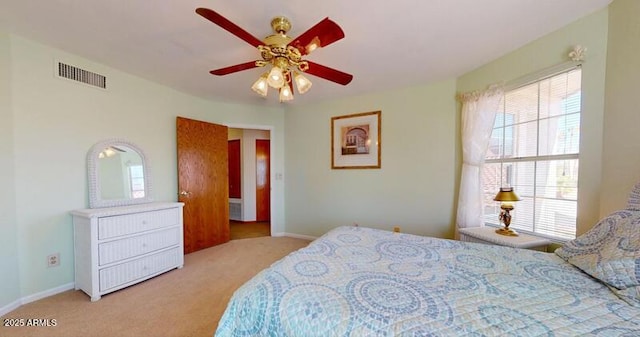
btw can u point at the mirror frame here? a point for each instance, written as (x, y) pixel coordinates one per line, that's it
(95, 201)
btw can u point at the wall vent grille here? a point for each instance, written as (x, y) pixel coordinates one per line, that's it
(235, 211)
(81, 75)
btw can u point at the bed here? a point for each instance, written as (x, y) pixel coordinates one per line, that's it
(357, 281)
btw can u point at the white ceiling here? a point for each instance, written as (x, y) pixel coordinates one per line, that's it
(388, 44)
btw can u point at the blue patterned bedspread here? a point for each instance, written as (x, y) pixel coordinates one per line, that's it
(356, 281)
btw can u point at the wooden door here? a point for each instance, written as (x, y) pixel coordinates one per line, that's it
(235, 175)
(263, 183)
(203, 183)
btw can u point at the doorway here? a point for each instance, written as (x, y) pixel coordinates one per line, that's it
(249, 178)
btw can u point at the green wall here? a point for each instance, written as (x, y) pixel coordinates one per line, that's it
(620, 160)
(414, 189)
(55, 123)
(9, 282)
(550, 50)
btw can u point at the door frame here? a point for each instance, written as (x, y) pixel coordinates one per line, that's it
(269, 128)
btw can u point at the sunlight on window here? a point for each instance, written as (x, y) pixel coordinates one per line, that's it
(534, 148)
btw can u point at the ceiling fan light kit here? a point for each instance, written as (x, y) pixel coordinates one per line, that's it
(285, 93)
(261, 86)
(302, 83)
(276, 77)
(284, 55)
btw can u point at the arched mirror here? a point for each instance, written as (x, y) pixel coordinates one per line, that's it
(118, 174)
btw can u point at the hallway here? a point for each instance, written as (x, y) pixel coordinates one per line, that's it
(244, 230)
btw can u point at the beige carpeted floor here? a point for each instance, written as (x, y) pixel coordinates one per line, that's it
(184, 302)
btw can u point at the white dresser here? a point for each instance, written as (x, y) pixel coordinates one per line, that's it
(117, 247)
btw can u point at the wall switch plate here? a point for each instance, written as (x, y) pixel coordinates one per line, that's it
(53, 260)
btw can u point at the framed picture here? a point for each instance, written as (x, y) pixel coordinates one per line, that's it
(355, 141)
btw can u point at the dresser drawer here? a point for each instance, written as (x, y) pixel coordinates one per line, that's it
(138, 269)
(114, 226)
(114, 251)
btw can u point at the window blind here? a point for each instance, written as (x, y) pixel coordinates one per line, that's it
(534, 148)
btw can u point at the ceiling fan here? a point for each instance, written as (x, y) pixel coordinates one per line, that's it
(284, 54)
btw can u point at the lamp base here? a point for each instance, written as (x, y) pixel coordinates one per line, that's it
(506, 231)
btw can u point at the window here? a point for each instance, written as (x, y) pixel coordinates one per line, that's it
(534, 148)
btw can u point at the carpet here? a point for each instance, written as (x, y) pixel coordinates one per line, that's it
(182, 302)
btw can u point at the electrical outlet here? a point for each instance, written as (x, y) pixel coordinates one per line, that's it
(53, 260)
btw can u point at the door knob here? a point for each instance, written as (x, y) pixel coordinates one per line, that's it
(184, 193)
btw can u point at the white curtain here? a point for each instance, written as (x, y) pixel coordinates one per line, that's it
(478, 115)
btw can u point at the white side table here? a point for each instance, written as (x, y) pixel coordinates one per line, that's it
(488, 235)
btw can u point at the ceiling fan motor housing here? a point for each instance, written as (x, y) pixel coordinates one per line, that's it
(277, 50)
(281, 25)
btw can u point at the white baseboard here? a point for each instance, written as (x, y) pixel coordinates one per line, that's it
(10, 307)
(47, 293)
(296, 236)
(34, 297)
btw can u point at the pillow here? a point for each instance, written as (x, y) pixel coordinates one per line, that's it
(610, 252)
(633, 203)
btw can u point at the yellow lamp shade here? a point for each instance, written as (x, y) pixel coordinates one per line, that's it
(506, 194)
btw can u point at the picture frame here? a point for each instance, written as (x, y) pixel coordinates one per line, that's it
(356, 140)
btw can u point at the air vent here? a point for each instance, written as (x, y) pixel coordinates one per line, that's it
(81, 75)
(235, 210)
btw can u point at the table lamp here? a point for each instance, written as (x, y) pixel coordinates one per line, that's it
(507, 197)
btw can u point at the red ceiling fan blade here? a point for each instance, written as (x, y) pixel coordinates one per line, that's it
(233, 69)
(329, 73)
(322, 34)
(229, 26)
